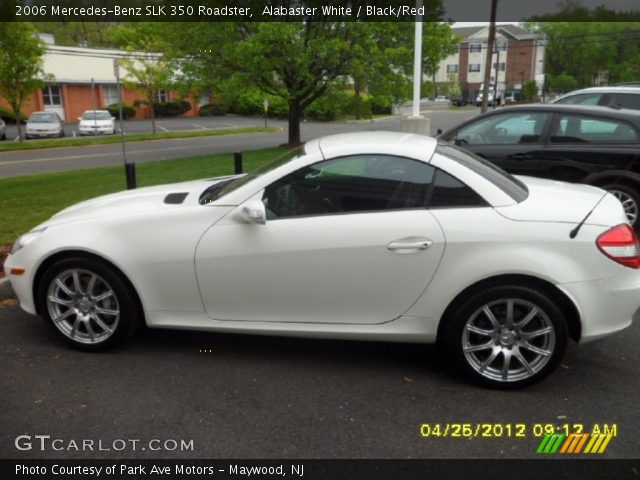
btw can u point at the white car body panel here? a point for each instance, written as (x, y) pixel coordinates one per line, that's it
(203, 267)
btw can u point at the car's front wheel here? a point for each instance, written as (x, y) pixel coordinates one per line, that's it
(507, 336)
(88, 303)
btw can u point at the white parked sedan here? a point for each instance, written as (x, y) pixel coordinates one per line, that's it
(44, 124)
(379, 236)
(96, 122)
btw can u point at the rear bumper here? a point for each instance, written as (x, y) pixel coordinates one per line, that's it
(605, 306)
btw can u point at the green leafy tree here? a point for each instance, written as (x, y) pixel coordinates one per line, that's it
(453, 86)
(21, 71)
(146, 69)
(89, 34)
(590, 46)
(530, 91)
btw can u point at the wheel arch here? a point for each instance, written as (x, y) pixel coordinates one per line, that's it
(622, 177)
(566, 305)
(50, 260)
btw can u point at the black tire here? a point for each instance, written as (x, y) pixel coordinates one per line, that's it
(503, 341)
(630, 199)
(87, 335)
(4, 135)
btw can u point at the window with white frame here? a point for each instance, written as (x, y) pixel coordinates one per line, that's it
(51, 95)
(474, 67)
(452, 68)
(502, 66)
(475, 47)
(162, 96)
(501, 46)
(110, 94)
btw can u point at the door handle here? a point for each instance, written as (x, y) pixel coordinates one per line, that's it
(411, 243)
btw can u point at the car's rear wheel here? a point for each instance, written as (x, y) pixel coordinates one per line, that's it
(88, 303)
(507, 336)
(630, 200)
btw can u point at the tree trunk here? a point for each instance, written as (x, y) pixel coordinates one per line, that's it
(295, 112)
(153, 118)
(16, 114)
(356, 100)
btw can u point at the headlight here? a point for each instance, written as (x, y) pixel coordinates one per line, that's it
(26, 239)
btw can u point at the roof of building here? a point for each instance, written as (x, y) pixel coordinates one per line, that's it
(510, 31)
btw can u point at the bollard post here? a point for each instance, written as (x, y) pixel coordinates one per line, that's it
(237, 162)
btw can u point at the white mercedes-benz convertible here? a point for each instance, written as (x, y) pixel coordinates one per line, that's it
(369, 236)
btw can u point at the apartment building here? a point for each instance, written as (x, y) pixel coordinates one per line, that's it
(517, 57)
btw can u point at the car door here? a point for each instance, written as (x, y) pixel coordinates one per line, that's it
(347, 240)
(512, 140)
(582, 145)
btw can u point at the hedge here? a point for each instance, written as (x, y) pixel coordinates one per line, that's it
(127, 110)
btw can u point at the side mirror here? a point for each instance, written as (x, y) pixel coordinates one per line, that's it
(254, 212)
(439, 131)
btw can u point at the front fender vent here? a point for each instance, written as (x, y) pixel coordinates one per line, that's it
(175, 198)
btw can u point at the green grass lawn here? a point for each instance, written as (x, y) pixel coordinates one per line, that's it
(133, 137)
(27, 201)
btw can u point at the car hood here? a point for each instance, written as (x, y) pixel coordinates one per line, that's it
(139, 200)
(554, 201)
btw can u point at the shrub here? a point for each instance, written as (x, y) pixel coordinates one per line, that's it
(8, 117)
(127, 110)
(530, 91)
(171, 109)
(216, 107)
(381, 105)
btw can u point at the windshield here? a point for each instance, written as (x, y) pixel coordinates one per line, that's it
(96, 116)
(220, 189)
(44, 118)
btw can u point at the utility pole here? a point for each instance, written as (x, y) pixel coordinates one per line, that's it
(495, 82)
(129, 167)
(487, 63)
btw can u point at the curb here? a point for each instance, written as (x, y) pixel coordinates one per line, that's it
(5, 289)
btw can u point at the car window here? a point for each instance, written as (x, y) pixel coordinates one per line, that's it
(45, 118)
(586, 129)
(626, 100)
(506, 182)
(364, 183)
(581, 99)
(507, 128)
(96, 116)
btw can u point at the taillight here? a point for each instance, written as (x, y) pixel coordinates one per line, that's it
(620, 244)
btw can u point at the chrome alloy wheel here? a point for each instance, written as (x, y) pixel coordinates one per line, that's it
(508, 340)
(628, 203)
(83, 306)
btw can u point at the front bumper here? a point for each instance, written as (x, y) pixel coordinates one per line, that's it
(21, 284)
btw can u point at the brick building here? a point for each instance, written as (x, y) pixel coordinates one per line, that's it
(518, 57)
(72, 91)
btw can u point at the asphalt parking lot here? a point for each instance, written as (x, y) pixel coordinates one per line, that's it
(267, 397)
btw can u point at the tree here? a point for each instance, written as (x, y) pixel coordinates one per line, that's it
(21, 71)
(89, 34)
(453, 86)
(589, 46)
(145, 69)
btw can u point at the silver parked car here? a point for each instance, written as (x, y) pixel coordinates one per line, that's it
(618, 96)
(44, 124)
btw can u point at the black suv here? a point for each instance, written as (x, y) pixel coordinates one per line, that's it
(594, 145)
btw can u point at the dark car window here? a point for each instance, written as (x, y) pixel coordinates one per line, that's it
(491, 172)
(364, 183)
(626, 100)
(506, 128)
(581, 99)
(586, 129)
